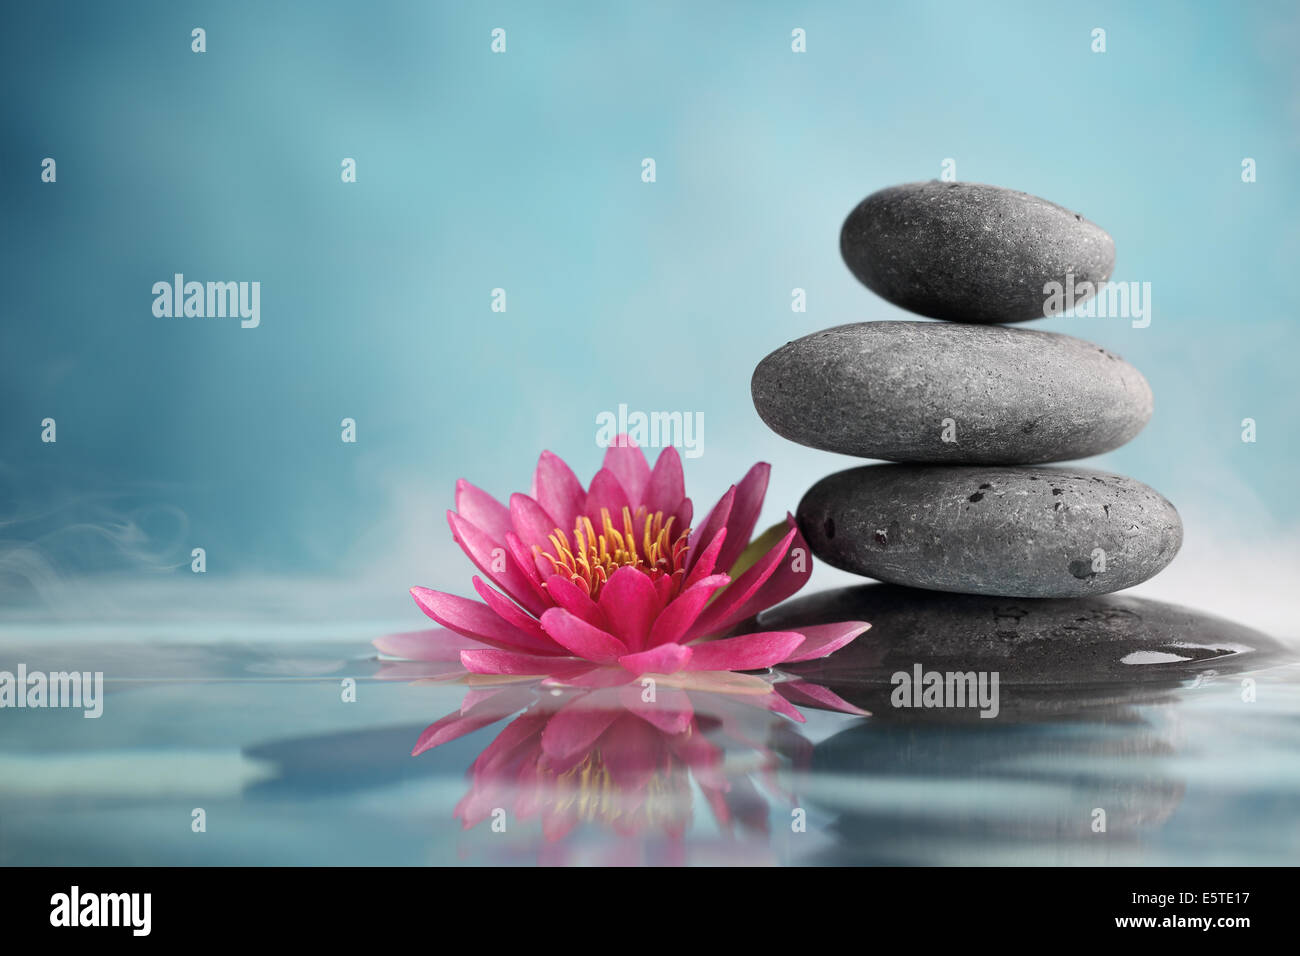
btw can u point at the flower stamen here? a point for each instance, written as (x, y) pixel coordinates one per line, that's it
(643, 541)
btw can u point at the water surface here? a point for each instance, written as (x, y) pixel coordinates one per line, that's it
(261, 736)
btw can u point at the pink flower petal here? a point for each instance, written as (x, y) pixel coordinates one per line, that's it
(683, 516)
(630, 604)
(713, 523)
(543, 566)
(790, 574)
(607, 493)
(665, 585)
(778, 704)
(479, 622)
(771, 702)
(628, 464)
(670, 712)
(449, 728)
(632, 757)
(666, 488)
(521, 735)
(706, 560)
(532, 524)
(557, 489)
(488, 710)
(478, 697)
(496, 561)
(703, 757)
(574, 599)
(744, 513)
(509, 611)
(580, 638)
(482, 510)
(731, 603)
(432, 644)
(748, 652)
(675, 621)
(525, 559)
(664, 659)
(576, 727)
(801, 691)
(493, 661)
(821, 640)
(671, 722)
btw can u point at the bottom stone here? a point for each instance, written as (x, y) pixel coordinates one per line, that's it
(1101, 639)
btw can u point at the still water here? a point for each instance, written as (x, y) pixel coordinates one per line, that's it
(230, 751)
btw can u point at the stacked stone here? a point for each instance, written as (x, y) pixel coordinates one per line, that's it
(969, 408)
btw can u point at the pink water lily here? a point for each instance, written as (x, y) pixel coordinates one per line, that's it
(602, 584)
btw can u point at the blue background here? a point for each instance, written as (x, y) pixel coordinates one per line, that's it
(522, 171)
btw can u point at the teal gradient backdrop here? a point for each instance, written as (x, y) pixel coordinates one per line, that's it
(522, 171)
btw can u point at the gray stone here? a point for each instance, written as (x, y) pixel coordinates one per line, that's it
(1014, 396)
(982, 529)
(970, 252)
(1078, 641)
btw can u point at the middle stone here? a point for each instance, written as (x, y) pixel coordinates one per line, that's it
(932, 392)
(981, 529)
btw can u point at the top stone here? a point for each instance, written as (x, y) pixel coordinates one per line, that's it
(969, 252)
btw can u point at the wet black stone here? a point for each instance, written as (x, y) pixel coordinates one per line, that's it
(1099, 640)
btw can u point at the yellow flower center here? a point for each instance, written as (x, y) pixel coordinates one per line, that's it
(645, 542)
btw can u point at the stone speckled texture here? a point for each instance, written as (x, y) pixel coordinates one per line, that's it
(1016, 396)
(1006, 531)
(1074, 640)
(969, 252)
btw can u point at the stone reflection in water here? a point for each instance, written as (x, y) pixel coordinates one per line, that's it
(994, 794)
(1084, 723)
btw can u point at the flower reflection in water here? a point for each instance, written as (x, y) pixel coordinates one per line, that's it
(628, 758)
